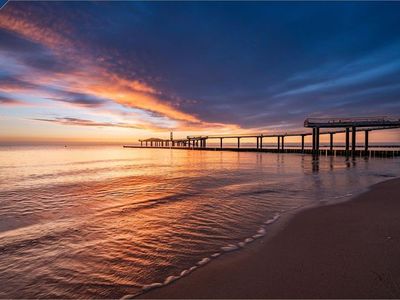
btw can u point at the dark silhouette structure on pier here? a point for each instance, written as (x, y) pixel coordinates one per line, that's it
(319, 126)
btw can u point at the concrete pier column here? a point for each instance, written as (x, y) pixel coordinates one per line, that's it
(258, 143)
(313, 140)
(317, 139)
(151, 144)
(220, 143)
(279, 143)
(205, 143)
(261, 142)
(353, 140)
(347, 139)
(366, 140)
(302, 143)
(283, 142)
(141, 144)
(331, 141)
(238, 142)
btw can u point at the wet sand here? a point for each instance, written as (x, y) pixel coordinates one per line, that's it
(346, 250)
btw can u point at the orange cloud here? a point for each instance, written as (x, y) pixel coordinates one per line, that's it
(91, 78)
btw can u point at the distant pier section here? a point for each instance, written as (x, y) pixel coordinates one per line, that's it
(314, 127)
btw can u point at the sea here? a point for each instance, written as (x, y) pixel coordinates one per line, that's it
(108, 222)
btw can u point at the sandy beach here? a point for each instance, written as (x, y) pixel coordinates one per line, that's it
(345, 250)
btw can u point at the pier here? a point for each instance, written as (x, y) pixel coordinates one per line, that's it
(314, 127)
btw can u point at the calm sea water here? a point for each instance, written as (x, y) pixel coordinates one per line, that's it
(105, 221)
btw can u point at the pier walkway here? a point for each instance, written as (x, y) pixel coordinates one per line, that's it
(319, 126)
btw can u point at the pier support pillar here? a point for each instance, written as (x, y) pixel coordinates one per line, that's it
(353, 140)
(283, 142)
(347, 139)
(313, 140)
(238, 142)
(317, 139)
(302, 143)
(279, 143)
(141, 144)
(151, 144)
(220, 143)
(366, 140)
(261, 142)
(331, 141)
(258, 143)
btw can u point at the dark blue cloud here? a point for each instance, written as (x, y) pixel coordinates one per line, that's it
(253, 64)
(32, 54)
(77, 98)
(5, 100)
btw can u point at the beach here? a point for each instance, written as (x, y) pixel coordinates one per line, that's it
(345, 250)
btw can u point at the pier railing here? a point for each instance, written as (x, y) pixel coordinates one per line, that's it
(352, 121)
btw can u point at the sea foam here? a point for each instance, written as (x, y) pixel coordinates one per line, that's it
(150, 286)
(229, 248)
(273, 219)
(170, 279)
(203, 261)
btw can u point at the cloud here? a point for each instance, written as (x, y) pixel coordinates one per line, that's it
(79, 99)
(87, 76)
(10, 101)
(85, 122)
(11, 84)
(249, 66)
(347, 80)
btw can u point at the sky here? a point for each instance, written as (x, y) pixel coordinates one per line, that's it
(119, 71)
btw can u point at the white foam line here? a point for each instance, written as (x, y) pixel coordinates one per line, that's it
(229, 248)
(184, 273)
(273, 219)
(129, 296)
(150, 286)
(170, 279)
(192, 269)
(203, 261)
(261, 231)
(248, 240)
(257, 236)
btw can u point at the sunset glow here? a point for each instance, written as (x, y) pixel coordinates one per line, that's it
(109, 73)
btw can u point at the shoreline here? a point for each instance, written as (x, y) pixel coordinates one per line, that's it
(349, 249)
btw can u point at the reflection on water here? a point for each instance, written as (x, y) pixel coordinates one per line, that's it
(104, 221)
